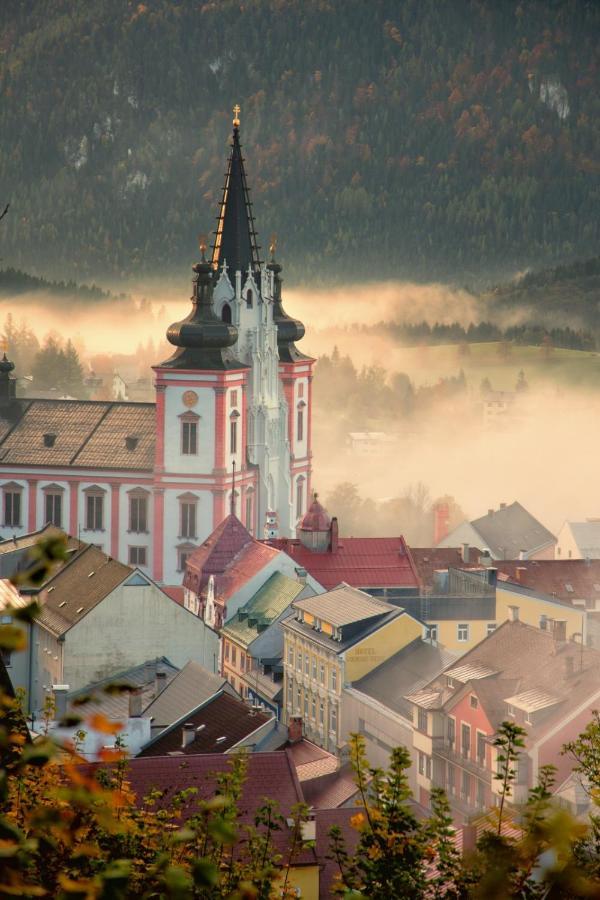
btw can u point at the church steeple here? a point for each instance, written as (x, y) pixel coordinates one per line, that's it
(235, 237)
(288, 330)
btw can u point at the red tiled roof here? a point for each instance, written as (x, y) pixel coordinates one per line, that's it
(231, 555)
(269, 775)
(312, 761)
(223, 716)
(427, 560)
(325, 819)
(360, 562)
(174, 592)
(565, 579)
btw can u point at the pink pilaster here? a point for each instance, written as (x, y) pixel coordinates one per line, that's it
(32, 504)
(114, 521)
(244, 434)
(309, 436)
(73, 517)
(220, 428)
(158, 535)
(159, 459)
(288, 390)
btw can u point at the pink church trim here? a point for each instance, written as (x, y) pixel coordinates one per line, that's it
(114, 521)
(32, 504)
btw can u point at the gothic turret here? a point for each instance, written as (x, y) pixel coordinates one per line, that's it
(235, 237)
(204, 341)
(288, 330)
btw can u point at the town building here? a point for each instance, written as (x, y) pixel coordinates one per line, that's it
(520, 673)
(506, 533)
(382, 567)
(376, 706)
(252, 651)
(98, 617)
(229, 567)
(230, 428)
(221, 724)
(579, 540)
(332, 640)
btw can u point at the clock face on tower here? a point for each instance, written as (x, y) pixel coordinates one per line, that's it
(190, 398)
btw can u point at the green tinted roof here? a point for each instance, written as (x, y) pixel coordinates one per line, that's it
(262, 609)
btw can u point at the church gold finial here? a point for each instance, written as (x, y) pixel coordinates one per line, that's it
(236, 116)
(202, 245)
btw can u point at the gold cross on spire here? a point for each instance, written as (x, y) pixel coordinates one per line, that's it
(236, 115)
(273, 245)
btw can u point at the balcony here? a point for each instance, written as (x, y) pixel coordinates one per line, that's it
(445, 750)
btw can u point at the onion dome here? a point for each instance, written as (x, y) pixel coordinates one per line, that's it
(288, 330)
(202, 339)
(314, 530)
(6, 366)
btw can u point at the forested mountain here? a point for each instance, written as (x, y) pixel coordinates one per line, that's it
(414, 139)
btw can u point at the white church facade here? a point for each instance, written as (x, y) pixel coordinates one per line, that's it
(230, 429)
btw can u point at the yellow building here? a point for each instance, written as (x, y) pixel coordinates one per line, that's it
(515, 601)
(330, 641)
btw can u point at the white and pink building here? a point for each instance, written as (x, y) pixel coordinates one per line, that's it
(230, 430)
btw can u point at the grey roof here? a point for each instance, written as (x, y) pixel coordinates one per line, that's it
(587, 537)
(407, 671)
(115, 704)
(78, 587)
(88, 433)
(15, 551)
(510, 529)
(189, 689)
(344, 605)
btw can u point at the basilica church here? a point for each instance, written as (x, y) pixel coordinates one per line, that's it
(230, 429)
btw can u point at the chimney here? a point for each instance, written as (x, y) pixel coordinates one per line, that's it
(441, 522)
(301, 574)
(465, 553)
(503, 506)
(135, 703)
(513, 613)
(485, 559)
(60, 700)
(519, 573)
(560, 630)
(492, 576)
(490, 512)
(569, 665)
(334, 535)
(522, 554)
(295, 729)
(188, 733)
(160, 681)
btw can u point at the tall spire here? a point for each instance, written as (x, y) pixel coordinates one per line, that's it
(289, 330)
(235, 237)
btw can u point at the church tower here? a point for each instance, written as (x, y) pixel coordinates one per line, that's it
(248, 294)
(233, 401)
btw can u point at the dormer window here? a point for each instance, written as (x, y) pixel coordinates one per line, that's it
(450, 683)
(131, 442)
(510, 710)
(49, 439)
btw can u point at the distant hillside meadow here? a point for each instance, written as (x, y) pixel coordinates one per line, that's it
(417, 139)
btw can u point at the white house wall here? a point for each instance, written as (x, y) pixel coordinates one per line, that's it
(130, 626)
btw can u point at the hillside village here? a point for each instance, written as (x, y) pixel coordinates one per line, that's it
(207, 602)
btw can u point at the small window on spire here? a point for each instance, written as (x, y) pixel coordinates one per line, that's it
(226, 313)
(249, 299)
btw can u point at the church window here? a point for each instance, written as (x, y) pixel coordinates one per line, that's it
(188, 518)
(299, 497)
(301, 390)
(12, 505)
(233, 398)
(300, 425)
(53, 508)
(94, 511)
(189, 437)
(233, 436)
(226, 314)
(137, 556)
(249, 299)
(138, 513)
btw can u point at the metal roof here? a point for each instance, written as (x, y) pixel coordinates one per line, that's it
(344, 606)
(532, 700)
(470, 672)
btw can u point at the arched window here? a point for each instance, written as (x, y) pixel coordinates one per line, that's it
(249, 299)
(300, 496)
(226, 313)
